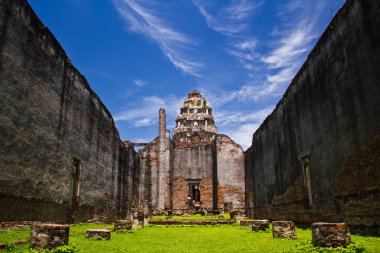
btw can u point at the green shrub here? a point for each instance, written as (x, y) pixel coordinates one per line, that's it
(10, 246)
(60, 249)
(309, 247)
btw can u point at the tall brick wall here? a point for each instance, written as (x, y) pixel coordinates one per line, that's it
(49, 116)
(193, 163)
(316, 157)
(230, 172)
(148, 175)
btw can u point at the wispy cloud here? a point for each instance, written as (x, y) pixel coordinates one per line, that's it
(240, 125)
(145, 113)
(229, 118)
(243, 134)
(291, 45)
(241, 9)
(279, 58)
(144, 122)
(244, 51)
(139, 82)
(143, 19)
(231, 19)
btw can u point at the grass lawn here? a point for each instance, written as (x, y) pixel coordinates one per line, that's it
(192, 217)
(216, 238)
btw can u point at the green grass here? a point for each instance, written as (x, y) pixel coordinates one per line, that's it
(192, 217)
(217, 238)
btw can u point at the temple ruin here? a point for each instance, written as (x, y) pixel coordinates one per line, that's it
(316, 157)
(198, 170)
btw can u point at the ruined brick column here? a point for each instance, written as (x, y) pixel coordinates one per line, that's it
(163, 164)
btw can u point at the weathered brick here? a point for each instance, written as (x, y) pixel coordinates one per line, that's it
(283, 229)
(48, 236)
(330, 234)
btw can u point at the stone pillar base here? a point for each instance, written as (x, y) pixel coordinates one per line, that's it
(98, 233)
(256, 225)
(283, 229)
(123, 224)
(48, 236)
(330, 234)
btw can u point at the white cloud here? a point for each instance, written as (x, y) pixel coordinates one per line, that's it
(241, 9)
(292, 41)
(244, 50)
(247, 44)
(144, 122)
(233, 118)
(240, 124)
(143, 140)
(229, 20)
(144, 20)
(243, 134)
(233, 22)
(139, 82)
(145, 112)
(218, 25)
(290, 47)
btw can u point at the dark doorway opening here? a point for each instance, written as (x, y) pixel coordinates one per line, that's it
(194, 195)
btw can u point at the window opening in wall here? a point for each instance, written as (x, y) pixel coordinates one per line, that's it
(76, 167)
(304, 158)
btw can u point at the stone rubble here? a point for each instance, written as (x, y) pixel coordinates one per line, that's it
(48, 236)
(330, 234)
(283, 229)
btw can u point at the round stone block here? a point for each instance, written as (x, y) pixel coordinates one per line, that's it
(330, 234)
(123, 224)
(98, 233)
(283, 229)
(48, 236)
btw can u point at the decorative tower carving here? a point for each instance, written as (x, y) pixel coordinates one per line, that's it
(195, 122)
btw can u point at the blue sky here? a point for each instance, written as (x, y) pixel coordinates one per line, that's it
(140, 55)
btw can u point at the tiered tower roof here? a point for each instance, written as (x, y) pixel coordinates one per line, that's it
(195, 122)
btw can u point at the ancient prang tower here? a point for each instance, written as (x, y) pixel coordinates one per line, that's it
(198, 169)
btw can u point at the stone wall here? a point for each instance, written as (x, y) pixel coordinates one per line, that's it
(193, 163)
(148, 189)
(180, 193)
(316, 157)
(51, 125)
(230, 172)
